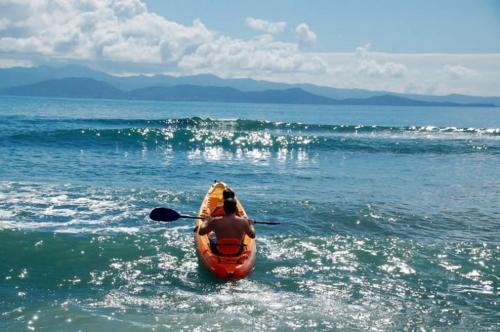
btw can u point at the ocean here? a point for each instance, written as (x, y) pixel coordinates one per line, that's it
(390, 216)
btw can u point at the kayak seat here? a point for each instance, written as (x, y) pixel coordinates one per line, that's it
(218, 211)
(229, 247)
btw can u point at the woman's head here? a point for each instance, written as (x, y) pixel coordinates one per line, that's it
(229, 206)
(227, 193)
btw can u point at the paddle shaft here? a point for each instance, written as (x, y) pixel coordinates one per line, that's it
(255, 222)
(266, 222)
(190, 217)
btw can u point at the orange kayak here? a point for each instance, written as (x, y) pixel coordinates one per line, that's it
(223, 266)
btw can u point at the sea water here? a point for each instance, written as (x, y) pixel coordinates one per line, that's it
(390, 216)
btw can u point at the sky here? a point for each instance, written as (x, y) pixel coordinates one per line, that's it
(423, 47)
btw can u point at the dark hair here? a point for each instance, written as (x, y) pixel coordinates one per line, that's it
(230, 206)
(227, 193)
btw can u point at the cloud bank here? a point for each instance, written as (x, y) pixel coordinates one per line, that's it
(93, 30)
(124, 37)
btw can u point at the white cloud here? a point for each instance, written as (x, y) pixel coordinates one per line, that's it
(123, 36)
(227, 57)
(372, 68)
(265, 26)
(8, 63)
(367, 65)
(93, 30)
(421, 73)
(305, 36)
(457, 72)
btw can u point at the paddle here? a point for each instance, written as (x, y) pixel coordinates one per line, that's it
(168, 215)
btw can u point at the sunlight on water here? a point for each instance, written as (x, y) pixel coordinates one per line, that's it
(385, 224)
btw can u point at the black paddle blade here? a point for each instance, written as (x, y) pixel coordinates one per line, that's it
(164, 214)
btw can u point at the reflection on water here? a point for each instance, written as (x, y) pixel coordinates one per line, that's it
(252, 156)
(389, 219)
(316, 281)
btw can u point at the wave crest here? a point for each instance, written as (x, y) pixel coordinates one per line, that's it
(233, 134)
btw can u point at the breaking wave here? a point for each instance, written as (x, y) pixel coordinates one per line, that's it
(194, 133)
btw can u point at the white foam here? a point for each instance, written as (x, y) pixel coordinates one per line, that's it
(66, 208)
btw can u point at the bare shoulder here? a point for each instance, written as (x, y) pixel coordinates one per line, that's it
(241, 219)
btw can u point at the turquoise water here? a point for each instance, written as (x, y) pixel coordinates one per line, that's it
(390, 216)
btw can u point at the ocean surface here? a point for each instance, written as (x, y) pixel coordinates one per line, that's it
(391, 216)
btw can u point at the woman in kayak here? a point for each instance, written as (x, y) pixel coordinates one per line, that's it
(219, 210)
(229, 226)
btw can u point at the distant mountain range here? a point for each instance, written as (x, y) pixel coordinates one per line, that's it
(82, 82)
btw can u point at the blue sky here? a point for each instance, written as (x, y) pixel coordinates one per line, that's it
(422, 47)
(444, 26)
